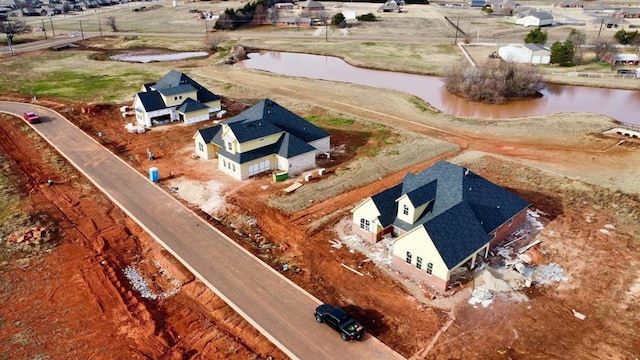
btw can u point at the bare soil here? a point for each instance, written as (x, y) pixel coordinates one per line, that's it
(66, 295)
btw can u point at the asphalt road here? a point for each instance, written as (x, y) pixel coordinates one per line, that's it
(278, 308)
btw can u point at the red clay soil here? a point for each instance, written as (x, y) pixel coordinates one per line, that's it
(75, 301)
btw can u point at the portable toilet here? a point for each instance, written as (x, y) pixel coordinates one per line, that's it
(154, 174)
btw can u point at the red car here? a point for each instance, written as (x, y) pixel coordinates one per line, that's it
(31, 117)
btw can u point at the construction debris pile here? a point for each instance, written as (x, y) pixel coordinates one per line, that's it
(140, 284)
(513, 268)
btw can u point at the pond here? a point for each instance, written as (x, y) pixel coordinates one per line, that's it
(621, 105)
(149, 56)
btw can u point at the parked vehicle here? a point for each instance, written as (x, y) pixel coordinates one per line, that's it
(626, 72)
(31, 117)
(340, 321)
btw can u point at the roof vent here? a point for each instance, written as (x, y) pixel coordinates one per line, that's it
(466, 171)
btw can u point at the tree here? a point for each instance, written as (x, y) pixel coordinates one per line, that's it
(260, 14)
(224, 22)
(111, 22)
(338, 20)
(12, 28)
(626, 37)
(536, 36)
(493, 82)
(214, 41)
(604, 48)
(367, 17)
(273, 15)
(578, 38)
(563, 53)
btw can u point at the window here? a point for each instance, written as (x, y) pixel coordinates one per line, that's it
(234, 167)
(200, 147)
(419, 262)
(405, 209)
(175, 98)
(224, 163)
(365, 224)
(429, 268)
(229, 145)
(408, 257)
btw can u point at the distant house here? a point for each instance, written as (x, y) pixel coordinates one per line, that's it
(608, 23)
(568, 4)
(527, 54)
(389, 6)
(627, 13)
(284, 6)
(304, 22)
(265, 137)
(311, 5)
(623, 59)
(536, 18)
(477, 3)
(175, 97)
(443, 218)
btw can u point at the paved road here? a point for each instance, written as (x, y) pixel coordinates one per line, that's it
(278, 308)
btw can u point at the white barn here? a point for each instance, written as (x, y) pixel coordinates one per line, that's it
(527, 54)
(537, 19)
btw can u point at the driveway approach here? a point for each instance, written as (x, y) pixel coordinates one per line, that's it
(278, 308)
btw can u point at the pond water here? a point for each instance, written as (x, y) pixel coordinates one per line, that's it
(621, 105)
(145, 57)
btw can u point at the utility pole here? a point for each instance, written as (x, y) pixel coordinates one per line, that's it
(81, 32)
(100, 27)
(44, 29)
(599, 31)
(326, 30)
(456, 39)
(52, 30)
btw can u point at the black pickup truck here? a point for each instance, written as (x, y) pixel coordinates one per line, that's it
(340, 321)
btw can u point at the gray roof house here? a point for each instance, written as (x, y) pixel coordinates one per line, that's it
(266, 137)
(441, 219)
(175, 97)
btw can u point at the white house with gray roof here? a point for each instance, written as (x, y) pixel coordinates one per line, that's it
(442, 219)
(264, 138)
(175, 97)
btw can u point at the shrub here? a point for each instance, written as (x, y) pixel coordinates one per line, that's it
(494, 82)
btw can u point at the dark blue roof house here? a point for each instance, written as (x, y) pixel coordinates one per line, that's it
(443, 218)
(264, 138)
(175, 97)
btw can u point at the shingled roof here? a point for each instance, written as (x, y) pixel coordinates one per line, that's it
(268, 117)
(465, 208)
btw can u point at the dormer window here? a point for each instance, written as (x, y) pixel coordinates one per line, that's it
(229, 146)
(405, 209)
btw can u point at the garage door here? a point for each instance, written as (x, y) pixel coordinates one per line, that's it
(259, 167)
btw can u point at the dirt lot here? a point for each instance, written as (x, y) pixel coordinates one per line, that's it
(78, 279)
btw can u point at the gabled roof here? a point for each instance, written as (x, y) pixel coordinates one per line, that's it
(190, 105)
(542, 15)
(466, 208)
(535, 47)
(290, 146)
(151, 100)
(267, 117)
(177, 79)
(387, 200)
(208, 134)
(174, 90)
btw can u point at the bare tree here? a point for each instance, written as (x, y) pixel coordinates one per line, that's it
(214, 41)
(111, 22)
(273, 15)
(578, 38)
(605, 48)
(11, 28)
(260, 14)
(494, 82)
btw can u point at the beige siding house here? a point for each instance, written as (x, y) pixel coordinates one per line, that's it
(263, 138)
(175, 97)
(441, 219)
